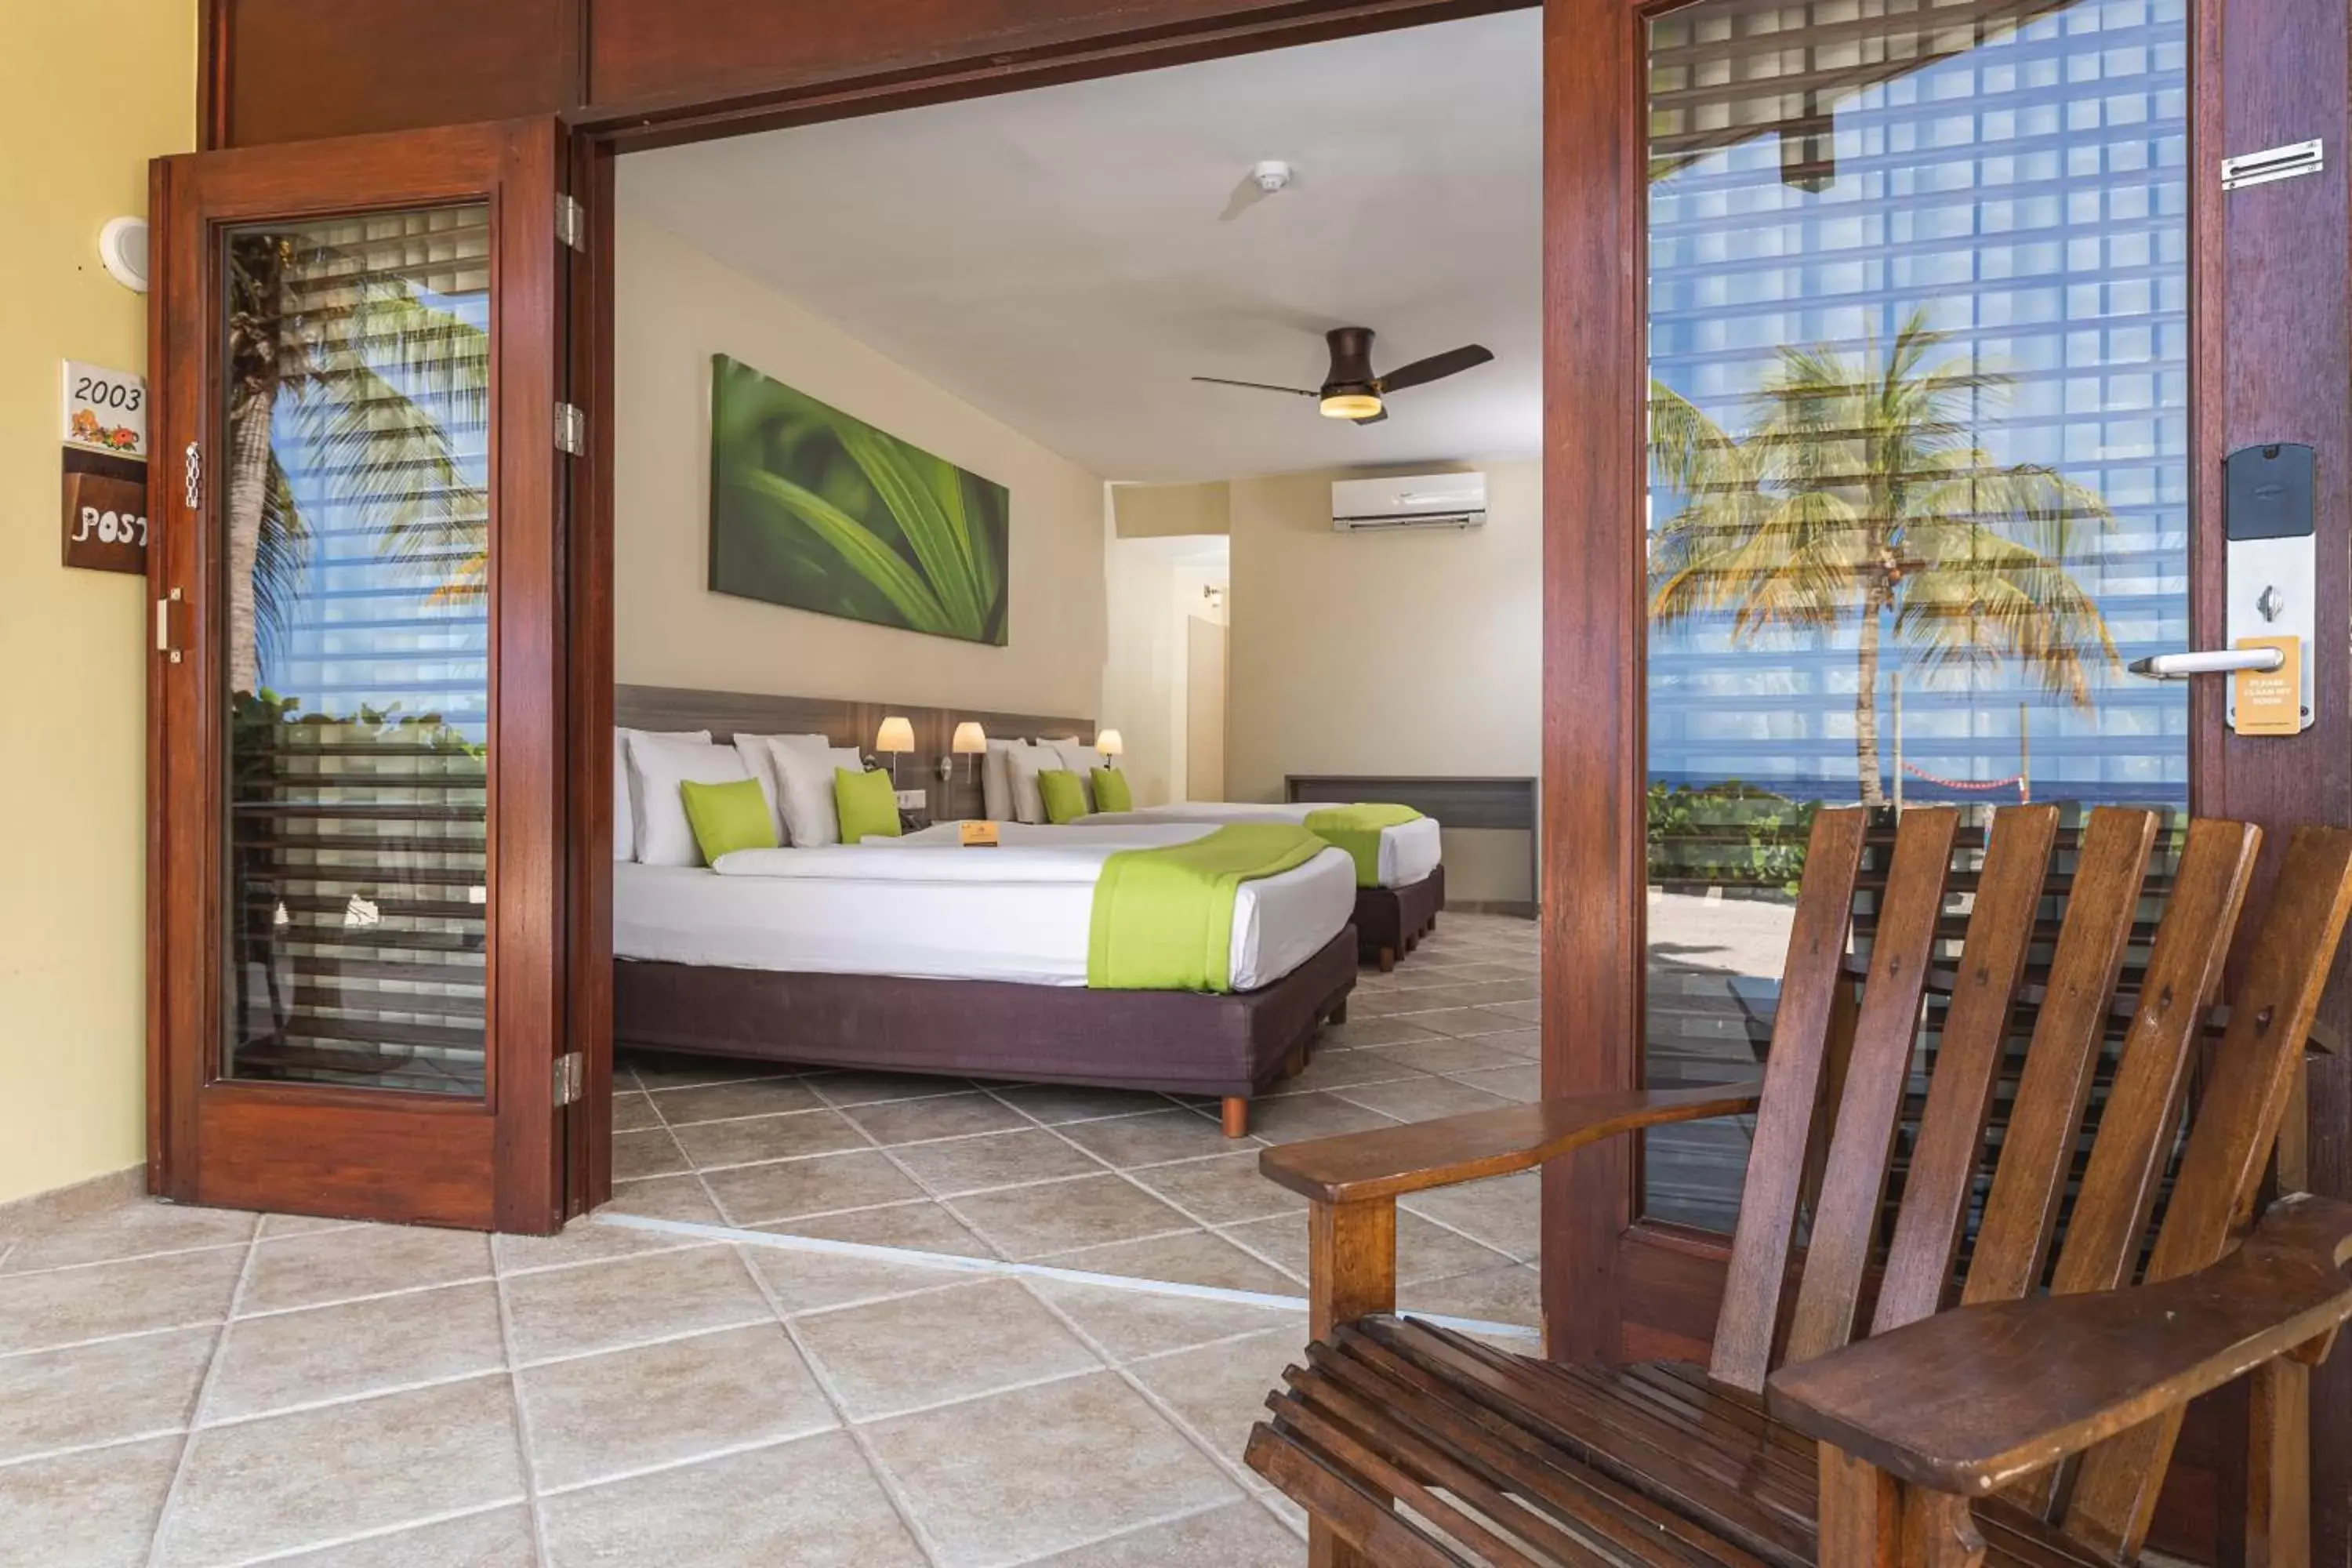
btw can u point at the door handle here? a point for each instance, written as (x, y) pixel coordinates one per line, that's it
(2207, 661)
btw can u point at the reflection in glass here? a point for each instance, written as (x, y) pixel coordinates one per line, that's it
(356, 515)
(1918, 439)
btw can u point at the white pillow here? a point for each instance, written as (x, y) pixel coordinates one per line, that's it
(657, 766)
(754, 750)
(624, 811)
(997, 779)
(1022, 766)
(1080, 760)
(804, 765)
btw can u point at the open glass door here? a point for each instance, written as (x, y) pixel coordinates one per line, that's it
(358, 704)
(1977, 367)
(1919, 398)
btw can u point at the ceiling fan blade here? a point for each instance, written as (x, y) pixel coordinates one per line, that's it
(1372, 418)
(1436, 367)
(1260, 385)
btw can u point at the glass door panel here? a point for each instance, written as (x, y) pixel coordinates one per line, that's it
(357, 980)
(356, 406)
(1919, 431)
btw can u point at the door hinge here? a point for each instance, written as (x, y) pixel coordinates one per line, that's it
(570, 222)
(570, 429)
(2272, 163)
(570, 1078)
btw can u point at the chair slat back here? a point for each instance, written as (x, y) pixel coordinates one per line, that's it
(1810, 985)
(1950, 1140)
(2245, 1097)
(1838, 1244)
(2045, 1118)
(2141, 1122)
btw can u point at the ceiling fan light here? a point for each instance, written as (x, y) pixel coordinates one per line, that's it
(1350, 406)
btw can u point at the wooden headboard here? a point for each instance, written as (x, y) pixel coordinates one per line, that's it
(844, 723)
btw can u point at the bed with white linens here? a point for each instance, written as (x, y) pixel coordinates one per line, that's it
(920, 955)
(1393, 913)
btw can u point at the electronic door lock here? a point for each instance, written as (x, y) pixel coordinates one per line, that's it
(2267, 494)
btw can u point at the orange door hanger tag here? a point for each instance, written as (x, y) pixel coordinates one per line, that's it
(2270, 701)
(977, 835)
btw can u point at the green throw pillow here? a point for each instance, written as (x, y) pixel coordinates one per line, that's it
(1111, 793)
(728, 817)
(1065, 794)
(867, 805)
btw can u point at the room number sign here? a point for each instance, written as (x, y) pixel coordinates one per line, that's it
(105, 458)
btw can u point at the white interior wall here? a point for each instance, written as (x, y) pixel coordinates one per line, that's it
(1390, 653)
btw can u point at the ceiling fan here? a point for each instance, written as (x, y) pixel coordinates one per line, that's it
(1351, 391)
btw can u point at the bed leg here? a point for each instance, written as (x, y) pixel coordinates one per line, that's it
(1236, 1116)
(1339, 1013)
(1296, 1065)
(1432, 925)
(1388, 959)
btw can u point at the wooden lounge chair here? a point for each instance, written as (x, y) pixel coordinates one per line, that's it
(2022, 1425)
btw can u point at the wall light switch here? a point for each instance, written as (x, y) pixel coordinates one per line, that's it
(913, 800)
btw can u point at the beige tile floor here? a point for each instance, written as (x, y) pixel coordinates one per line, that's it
(1116, 1181)
(183, 1386)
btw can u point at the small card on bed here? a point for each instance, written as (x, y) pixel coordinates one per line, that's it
(976, 835)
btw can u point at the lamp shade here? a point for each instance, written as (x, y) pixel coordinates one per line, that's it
(1109, 743)
(897, 734)
(968, 738)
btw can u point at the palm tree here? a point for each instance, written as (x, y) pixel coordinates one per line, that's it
(1859, 493)
(347, 365)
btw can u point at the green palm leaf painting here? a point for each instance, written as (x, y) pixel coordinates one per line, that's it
(816, 509)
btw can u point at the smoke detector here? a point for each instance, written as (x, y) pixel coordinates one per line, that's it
(1270, 175)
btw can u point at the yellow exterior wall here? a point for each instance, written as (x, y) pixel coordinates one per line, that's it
(87, 94)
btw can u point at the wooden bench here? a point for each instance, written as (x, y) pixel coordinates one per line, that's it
(2023, 1411)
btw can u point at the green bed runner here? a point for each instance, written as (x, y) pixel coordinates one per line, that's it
(1163, 918)
(1357, 829)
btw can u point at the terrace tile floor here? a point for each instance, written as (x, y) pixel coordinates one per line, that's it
(185, 1386)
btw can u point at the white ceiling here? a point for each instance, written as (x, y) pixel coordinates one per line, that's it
(1065, 259)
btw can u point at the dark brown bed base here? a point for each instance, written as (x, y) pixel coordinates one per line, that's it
(1391, 921)
(1180, 1042)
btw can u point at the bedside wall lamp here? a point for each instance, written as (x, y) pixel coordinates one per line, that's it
(971, 740)
(895, 736)
(1111, 744)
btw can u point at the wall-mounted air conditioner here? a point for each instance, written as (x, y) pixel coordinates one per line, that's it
(1420, 500)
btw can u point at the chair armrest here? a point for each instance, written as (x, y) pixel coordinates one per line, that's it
(1393, 1160)
(1970, 1399)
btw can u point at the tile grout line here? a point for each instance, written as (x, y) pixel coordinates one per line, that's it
(1162, 1199)
(526, 1451)
(50, 1270)
(1178, 1516)
(1232, 1470)
(157, 1332)
(666, 1467)
(892, 1493)
(378, 1533)
(394, 1294)
(204, 1397)
(1000, 1268)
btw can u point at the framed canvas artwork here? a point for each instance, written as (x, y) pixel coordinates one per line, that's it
(818, 509)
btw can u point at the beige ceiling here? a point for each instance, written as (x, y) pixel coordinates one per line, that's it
(1065, 259)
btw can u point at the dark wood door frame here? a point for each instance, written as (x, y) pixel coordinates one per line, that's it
(2270, 356)
(599, 137)
(1612, 1287)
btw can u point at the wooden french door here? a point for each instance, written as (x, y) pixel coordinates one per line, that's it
(357, 851)
(1895, 352)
